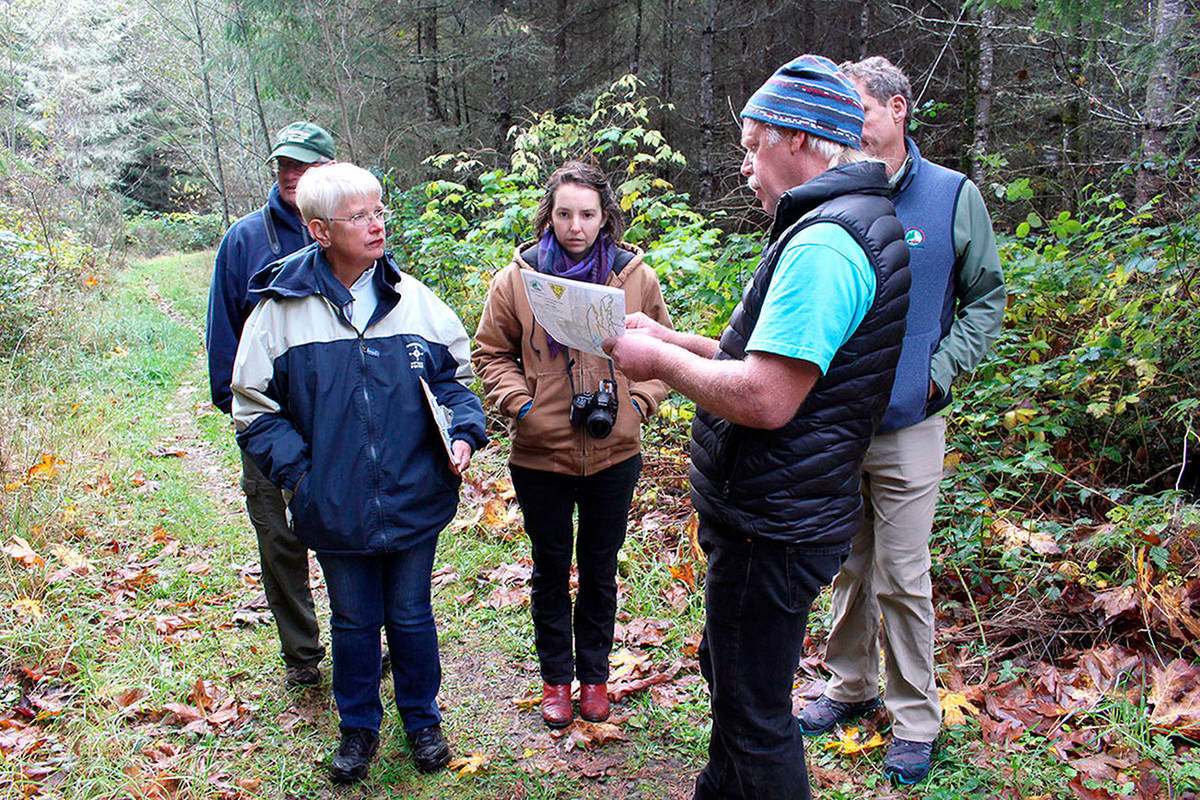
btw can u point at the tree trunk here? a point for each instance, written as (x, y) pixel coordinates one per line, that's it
(636, 65)
(427, 51)
(708, 16)
(1160, 97)
(864, 28)
(501, 103)
(558, 95)
(666, 88)
(210, 114)
(985, 66)
(258, 106)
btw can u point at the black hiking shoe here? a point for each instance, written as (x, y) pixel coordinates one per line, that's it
(354, 755)
(824, 714)
(429, 748)
(908, 762)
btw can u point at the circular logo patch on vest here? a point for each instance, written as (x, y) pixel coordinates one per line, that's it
(914, 237)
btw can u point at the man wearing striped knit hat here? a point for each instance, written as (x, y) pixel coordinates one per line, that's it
(787, 401)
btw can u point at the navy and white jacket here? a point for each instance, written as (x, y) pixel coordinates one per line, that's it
(340, 418)
(247, 247)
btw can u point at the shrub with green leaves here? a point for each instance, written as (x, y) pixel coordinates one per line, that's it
(1086, 402)
(455, 232)
(150, 233)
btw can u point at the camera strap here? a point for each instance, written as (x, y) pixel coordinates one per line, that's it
(571, 375)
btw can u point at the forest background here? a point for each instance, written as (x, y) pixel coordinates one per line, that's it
(1068, 541)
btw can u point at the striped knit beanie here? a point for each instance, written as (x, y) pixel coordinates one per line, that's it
(810, 94)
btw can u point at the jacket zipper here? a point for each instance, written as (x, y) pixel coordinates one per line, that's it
(373, 453)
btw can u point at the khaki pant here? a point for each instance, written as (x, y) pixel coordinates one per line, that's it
(887, 576)
(284, 569)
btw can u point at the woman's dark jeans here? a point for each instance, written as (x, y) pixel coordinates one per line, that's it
(548, 500)
(757, 595)
(389, 591)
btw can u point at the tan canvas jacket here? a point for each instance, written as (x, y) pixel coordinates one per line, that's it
(512, 357)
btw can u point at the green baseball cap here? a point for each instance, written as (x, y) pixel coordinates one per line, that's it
(304, 142)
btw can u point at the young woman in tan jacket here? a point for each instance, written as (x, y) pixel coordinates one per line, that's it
(558, 466)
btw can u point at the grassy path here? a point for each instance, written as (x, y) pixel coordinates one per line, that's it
(141, 660)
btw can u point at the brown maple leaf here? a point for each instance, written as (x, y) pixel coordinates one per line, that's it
(1175, 696)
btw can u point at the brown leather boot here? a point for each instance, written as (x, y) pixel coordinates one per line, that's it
(593, 701)
(556, 705)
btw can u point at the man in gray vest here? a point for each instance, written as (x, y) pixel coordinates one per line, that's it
(787, 401)
(261, 237)
(956, 308)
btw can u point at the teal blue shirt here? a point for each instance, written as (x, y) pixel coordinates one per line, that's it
(822, 288)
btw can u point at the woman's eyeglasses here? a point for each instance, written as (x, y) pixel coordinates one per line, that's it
(361, 220)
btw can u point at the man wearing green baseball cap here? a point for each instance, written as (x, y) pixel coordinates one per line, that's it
(271, 232)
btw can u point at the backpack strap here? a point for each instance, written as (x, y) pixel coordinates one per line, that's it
(269, 224)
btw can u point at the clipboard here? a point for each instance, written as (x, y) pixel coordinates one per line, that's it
(442, 419)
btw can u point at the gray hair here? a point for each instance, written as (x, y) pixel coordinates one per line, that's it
(834, 152)
(882, 79)
(322, 190)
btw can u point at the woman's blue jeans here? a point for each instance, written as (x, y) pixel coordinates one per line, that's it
(757, 595)
(389, 591)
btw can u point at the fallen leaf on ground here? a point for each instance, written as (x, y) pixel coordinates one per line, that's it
(1015, 536)
(505, 597)
(19, 550)
(46, 468)
(1175, 695)
(848, 743)
(586, 735)
(676, 596)
(684, 574)
(442, 576)
(29, 608)
(466, 765)
(953, 706)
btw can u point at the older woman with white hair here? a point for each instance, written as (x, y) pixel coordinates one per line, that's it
(347, 370)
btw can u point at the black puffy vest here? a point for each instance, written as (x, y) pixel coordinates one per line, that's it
(801, 484)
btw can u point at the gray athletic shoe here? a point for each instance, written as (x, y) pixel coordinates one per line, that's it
(823, 714)
(908, 762)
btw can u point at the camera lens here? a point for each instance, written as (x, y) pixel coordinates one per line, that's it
(599, 423)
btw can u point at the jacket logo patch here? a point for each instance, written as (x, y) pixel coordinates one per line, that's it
(371, 351)
(914, 237)
(416, 356)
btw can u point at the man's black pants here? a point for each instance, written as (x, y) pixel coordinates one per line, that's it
(757, 595)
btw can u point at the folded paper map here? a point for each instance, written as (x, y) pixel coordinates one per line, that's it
(578, 315)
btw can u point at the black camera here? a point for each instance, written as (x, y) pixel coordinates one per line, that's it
(596, 411)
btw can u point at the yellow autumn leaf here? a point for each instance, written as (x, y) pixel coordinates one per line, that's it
(625, 662)
(953, 706)
(1018, 416)
(69, 557)
(848, 744)
(28, 607)
(46, 468)
(469, 764)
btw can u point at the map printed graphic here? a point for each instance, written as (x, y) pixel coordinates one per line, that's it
(578, 315)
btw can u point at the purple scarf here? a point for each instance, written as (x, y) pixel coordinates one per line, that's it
(592, 268)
